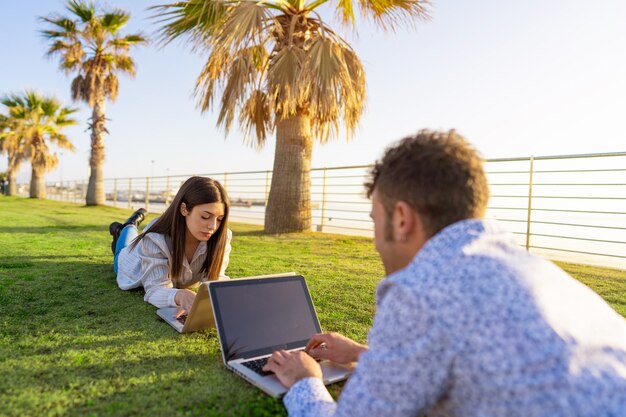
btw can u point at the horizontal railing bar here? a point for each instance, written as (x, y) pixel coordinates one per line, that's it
(579, 238)
(578, 211)
(561, 197)
(559, 171)
(573, 156)
(328, 177)
(337, 185)
(347, 227)
(512, 220)
(230, 179)
(556, 171)
(327, 193)
(347, 211)
(577, 251)
(348, 220)
(342, 167)
(553, 184)
(342, 202)
(579, 225)
(509, 208)
(558, 210)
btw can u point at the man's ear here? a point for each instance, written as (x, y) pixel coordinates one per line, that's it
(183, 209)
(403, 221)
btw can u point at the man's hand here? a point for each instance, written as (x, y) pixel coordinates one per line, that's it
(184, 300)
(334, 347)
(290, 367)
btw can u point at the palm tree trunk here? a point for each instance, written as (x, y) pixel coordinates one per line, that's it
(37, 184)
(289, 204)
(95, 189)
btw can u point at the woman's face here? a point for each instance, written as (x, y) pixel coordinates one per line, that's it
(203, 220)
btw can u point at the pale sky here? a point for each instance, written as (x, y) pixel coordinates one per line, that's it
(538, 77)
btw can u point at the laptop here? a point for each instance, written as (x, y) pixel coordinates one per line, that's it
(257, 316)
(200, 316)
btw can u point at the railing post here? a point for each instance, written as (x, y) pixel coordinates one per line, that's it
(130, 192)
(167, 191)
(115, 192)
(323, 202)
(530, 201)
(226, 181)
(147, 200)
(267, 187)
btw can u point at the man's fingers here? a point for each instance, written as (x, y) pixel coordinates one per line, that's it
(320, 352)
(276, 360)
(315, 341)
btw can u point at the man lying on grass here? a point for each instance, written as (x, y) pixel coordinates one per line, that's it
(467, 322)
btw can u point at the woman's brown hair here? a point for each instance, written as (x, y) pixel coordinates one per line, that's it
(193, 192)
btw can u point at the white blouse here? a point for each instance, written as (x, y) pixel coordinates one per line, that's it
(148, 265)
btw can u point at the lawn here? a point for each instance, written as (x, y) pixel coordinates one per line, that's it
(72, 343)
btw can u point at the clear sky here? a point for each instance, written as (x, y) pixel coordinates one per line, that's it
(517, 78)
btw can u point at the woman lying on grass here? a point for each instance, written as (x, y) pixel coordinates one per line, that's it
(189, 243)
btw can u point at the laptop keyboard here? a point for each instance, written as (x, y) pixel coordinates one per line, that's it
(182, 319)
(257, 366)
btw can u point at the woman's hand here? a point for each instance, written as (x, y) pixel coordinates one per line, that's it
(184, 300)
(334, 347)
(290, 367)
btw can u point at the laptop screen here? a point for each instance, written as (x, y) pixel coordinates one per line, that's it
(258, 316)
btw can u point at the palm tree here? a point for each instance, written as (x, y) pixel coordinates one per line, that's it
(36, 123)
(90, 45)
(13, 145)
(281, 68)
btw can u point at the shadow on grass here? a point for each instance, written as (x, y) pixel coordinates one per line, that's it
(55, 228)
(9, 262)
(81, 346)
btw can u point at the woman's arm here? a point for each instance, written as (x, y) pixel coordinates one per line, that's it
(155, 271)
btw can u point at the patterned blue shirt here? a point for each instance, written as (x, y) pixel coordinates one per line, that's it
(476, 326)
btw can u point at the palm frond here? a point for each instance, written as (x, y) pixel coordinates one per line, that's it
(113, 21)
(196, 19)
(337, 84)
(68, 27)
(129, 40)
(283, 77)
(215, 69)
(124, 63)
(77, 88)
(256, 119)
(391, 14)
(240, 78)
(111, 86)
(244, 24)
(83, 10)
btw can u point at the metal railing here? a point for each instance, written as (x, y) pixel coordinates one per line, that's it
(567, 207)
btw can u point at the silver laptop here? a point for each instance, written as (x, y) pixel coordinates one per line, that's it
(200, 315)
(257, 316)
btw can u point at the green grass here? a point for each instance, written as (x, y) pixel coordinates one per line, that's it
(72, 343)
